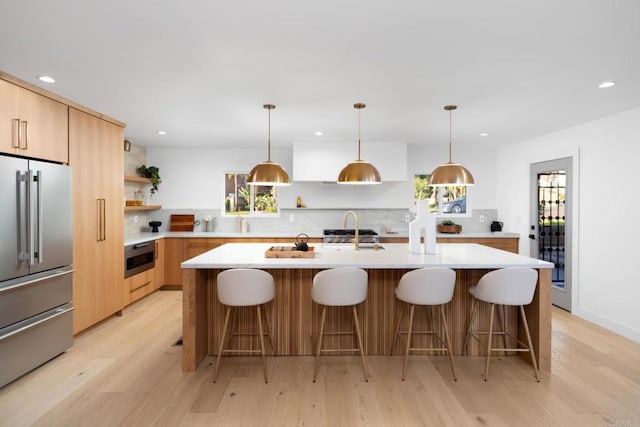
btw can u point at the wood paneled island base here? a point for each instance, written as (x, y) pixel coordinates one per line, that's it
(294, 317)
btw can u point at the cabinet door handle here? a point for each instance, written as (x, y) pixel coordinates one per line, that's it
(155, 250)
(101, 220)
(23, 135)
(15, 133)
(99, 216)
(104, 219)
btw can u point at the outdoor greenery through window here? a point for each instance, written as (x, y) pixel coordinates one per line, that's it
(443, 200)
(241, 198)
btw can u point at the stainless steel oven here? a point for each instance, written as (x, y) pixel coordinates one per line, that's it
(139, 257)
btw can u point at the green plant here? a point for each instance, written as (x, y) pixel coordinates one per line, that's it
(151, 172)
(447, 222)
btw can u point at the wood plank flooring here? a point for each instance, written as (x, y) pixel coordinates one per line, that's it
(127, 371)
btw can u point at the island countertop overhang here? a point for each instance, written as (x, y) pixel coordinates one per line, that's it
(393, 256)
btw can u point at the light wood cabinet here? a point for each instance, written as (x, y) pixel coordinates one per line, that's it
(158, 275)
(509, 244)
(32, 125)
(146, 282)
(95, 153)
(173, 256)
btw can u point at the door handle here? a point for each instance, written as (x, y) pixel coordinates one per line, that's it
(15, 133)
(23, 135)
(102, 220)
(38, 179)
(31, 217)
(532, 236)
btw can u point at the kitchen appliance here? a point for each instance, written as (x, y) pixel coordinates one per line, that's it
(138, 258)
(36, 253)
(366, 238)
(496, 226)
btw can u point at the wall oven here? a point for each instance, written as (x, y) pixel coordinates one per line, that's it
(139, 257)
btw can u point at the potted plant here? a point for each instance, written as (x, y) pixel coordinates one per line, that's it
(151, 172)
(448, 226)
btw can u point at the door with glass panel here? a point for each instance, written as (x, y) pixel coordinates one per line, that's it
(551, 221)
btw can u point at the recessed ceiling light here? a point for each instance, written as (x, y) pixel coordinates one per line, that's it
(605, 85)
(318, 133)
(484, 134)
(46, 79)
(162, 132)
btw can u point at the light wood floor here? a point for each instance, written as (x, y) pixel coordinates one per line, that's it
(127, 371)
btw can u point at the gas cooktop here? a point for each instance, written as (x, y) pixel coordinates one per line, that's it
(348, 232)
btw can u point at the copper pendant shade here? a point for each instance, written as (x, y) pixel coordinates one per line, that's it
(359, 172)
(268, 172)
(450, 174)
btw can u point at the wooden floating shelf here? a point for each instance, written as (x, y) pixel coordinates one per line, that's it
(142, 208)
(138, 179)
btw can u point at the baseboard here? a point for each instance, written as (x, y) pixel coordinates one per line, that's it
(625, 331)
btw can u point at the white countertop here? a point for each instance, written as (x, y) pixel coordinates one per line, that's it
(135, 238)
(394, 256)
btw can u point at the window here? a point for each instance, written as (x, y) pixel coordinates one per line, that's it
(241, 198)
(443, 200)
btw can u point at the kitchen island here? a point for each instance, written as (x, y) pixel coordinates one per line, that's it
(294, 317)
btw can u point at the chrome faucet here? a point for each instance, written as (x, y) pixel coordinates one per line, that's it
(344, 224)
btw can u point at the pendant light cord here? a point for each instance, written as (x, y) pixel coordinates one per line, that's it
(269, 138)
(359, 134)
(450, 143)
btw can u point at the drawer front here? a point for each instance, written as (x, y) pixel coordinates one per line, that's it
(28, 344)
(41, 292)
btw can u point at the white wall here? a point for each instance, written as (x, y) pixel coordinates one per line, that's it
(192, 178)
(606, 289)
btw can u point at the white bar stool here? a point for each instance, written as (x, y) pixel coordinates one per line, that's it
(339, 287)
(425, 287)
(245, 287)
(508, 286)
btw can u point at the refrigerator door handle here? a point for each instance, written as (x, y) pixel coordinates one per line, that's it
(31, 218)
(22, 217)
(38, 180)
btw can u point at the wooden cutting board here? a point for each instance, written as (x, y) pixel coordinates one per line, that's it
(182, 222)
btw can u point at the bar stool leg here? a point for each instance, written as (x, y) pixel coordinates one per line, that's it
(408, 347)
(474, 304)
(395, 336)
(503, 327)
(489, 341)
(266, 322)
(319, 346)
(357, 325)
(224, 331)
(526, 329)
(262, 352)
(448, 341)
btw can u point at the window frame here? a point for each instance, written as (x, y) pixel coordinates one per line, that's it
(253, 194)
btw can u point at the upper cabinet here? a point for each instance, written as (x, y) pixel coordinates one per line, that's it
(32, 125)
(323, 162)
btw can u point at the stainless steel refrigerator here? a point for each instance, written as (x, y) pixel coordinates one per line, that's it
(36, 253)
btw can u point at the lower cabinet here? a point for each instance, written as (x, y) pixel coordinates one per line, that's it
(142, 284)
(509, 244)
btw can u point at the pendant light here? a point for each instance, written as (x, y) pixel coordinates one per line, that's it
(359, 172)
(450, 173)
(268, 172)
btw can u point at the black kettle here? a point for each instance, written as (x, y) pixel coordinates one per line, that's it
(496, 226)
(301, 242)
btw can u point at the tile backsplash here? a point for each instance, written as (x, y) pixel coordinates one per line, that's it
(301, 220)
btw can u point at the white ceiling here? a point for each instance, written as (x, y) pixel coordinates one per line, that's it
(202, 69)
